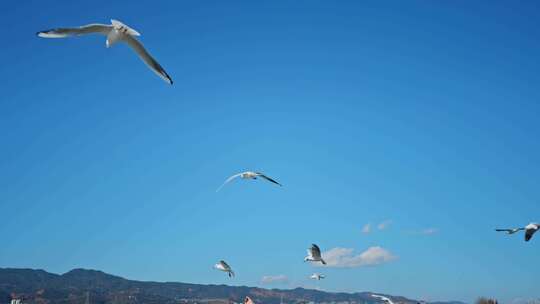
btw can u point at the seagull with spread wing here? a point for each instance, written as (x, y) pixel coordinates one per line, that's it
(317, 276)
(248, 175)
(223, 266)
(314, 254)
(115, 32)
(248, 300)
(530, 229)
(383, 298)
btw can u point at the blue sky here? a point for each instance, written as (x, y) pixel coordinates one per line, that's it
(420, 114)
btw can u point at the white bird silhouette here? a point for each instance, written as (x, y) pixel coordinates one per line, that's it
(317, 276)
(383, 298)
(248, 175)
(530, 229)
(248, 300)
(314, 254)
(115, 32)
(223, 266)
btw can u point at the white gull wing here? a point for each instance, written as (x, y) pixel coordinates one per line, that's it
(129, 30)
(147, 58)
(315, 251)
(385, 299)
(510, 230)
(530, 230)
(225, 266)
(268, 178)
(228, 180)
(94, 28)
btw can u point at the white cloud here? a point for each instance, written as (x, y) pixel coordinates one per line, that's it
(525, 301)
(430, 231)
(426, 231)
(344, 257)
(274, 279)
(367, 228)
(384, 224)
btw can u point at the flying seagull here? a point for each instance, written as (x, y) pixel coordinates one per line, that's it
(529, 230)
(314, 254)
(383, 298)
(510, 231)
(115, 32)
(248, 175)
(223, 266)
(248, 300)
(317, 276)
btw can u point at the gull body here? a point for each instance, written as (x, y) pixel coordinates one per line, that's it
(248, 300)
(530, 230)
(314, 254)
(383, 298)
(223, 266)
(248, 175)
(317, 276)
(115, 32)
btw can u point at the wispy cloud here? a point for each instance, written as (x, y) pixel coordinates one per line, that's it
(384, 224)
(275, 279)
(426, 231)
(429, 231)
(345, 257)
(525, 301)
(367, 228)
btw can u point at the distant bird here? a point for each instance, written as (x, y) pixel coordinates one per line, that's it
(248, 300)
(510, 231)
(314, 254)
(115, 32)
(223, 266)
(383, 298)
(529, 230)
(317, 276)
(248, 175)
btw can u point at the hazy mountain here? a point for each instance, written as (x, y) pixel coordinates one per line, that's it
(38, 286)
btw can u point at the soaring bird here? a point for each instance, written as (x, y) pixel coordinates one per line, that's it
(223, 266)
(510, 231)
(317, 276)
(383, 298)
(115, 32)
(248, 300)
(248, 175)
(314, 254)
(529, 230)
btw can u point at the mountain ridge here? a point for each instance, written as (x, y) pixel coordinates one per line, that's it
(40, 286)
